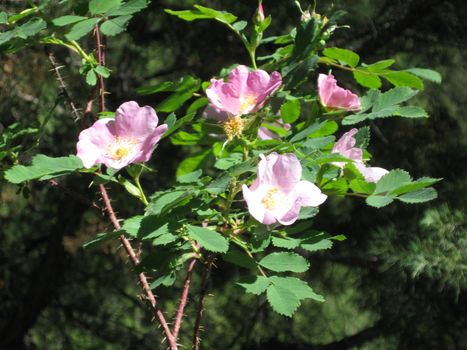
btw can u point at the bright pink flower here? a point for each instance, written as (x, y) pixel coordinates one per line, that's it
(244, 92)
(333, 96)
(130, 138)
(266, 134)
(345, 147)
(277, 194)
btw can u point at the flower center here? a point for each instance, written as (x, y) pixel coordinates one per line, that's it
(233, 127)
(246, 103)
(274, 198)
(121, 148)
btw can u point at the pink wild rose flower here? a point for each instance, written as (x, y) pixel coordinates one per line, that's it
(345, 146)
(129, 138)
(244, 92)
(335, 97)
(278, 193)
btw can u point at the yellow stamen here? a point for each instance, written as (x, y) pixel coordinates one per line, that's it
(233, 127)
(271, 199)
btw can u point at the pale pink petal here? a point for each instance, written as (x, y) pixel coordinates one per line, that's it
(94, 141)
(131, 120)
(345, 147)
(287, 172)
(261, 85)
(310, 195)
(255, 207)
(266, 134)
(147, 145)
(333, 96)
(265, 168)
(371, 174)
(292, 215)
(211, 112)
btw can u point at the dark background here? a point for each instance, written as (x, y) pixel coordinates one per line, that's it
(397, 282)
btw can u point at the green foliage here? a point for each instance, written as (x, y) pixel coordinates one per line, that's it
(43, 168)
(208, 239)
(202, 12)
(345, 57)
(283, 261)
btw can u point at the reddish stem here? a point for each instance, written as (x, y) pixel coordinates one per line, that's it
(200, 308)
(142, 277)
(113, 218)
(183, 299)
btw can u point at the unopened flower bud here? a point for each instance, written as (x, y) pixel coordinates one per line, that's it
(259, 14)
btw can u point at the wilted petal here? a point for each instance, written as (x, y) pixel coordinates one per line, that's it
(333, 96)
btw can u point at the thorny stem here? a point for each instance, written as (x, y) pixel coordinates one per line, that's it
(135, 261)
(61, 83)
(183, 299)
(100, 59)
(113, 218)
(200, 307)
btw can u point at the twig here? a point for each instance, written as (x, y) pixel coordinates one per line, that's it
(200, 307)
(101, 60)
(61, 83)
(135, 261)
(183, 299)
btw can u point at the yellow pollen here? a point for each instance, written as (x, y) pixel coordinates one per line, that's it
(233, 127)
(120, 152)
(270, 200)
(246, 103)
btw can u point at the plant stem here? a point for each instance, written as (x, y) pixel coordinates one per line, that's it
(141, 191)
(200, 307)
(100, 59)
(113, 218)
(183, 299)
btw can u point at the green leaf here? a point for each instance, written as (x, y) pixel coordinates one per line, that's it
(239, 258)
(354, 119)
(192, 163)
(311, 246)
(367, 79)
(393, 97)
(392, 180)
(426, 74)
(31, 27)
(202, 12)
(208, 239)
(220, 184)
(3, 17)
(415, 185)
(102, 6)
(283, 261)
(82, 28)
(183, 93)
(318, 142)
(240, 25)
(128, 8)
(101, 70)
(300, 288)
(226, 163)
(91, 77)
(282, 300)
(290, 111)
(114, 26)
(255, 285)
(419, 196)
(65, 20)
(316, 130)
(402, 78)
(344, 56)
(101, 238)
(131, 225)
(190, 177)
(362, 137)
(286, 242)
(380, 65)
(6, 36)
(163, 202)
(379, 201)
(411, 112)
(178, 124)
(361, 186)
(43, 168)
